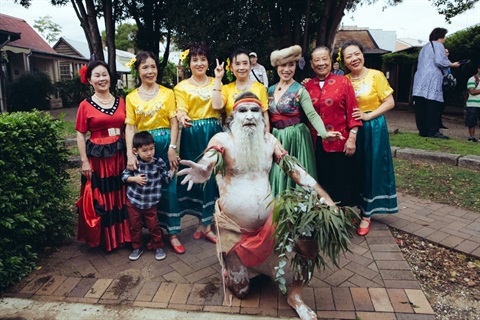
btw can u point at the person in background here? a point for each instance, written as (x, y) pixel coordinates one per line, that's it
(374, 96)
(448, 71)
(119, 86)
(288, 103)
(200, 122)
(427, 84)
(336, 69)
(151, 107)
(224, 97)
(473, 104)
(334, 100)
(144, 192)
(103, 160)
(257, 71)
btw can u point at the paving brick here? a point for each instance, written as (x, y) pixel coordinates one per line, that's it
(182, 268)
(184, 307)
(287, 313)
(360, 259)
(343, 315)
(324, 299)
(361, 299)
(363, 271)
(181, 293)
(392, 265)
(35, 284)
(268, 295)
(252, 300)
(380, 240)
(338, 277)
(81, 300)
(222, 309)
(451, 241)
(131, 292)
(401, 284)
(82, 288)
(380, 300)
(476, 252)
(98, 288)
(66, 286)
(399, 300)
(197, 295)
(467, 246)
(362, 282)
(397, 275)
(342, 299)
(373, 267)
(149, 304)
(200, 274)
(376, 316)
(49, 287)
(412, 227)
(164, 292)
(387, 247)
(148, 291)
(388, 256)
(409, 316)
(174, 277)
(112, 292)
(424, 231)
(420, 302)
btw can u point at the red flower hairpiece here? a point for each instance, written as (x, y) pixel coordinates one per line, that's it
(83, 75)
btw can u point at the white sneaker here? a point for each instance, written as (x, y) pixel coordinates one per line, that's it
(136, 253)
(160, 254)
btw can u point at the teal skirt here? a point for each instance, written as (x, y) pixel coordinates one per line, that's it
(297, 140)
(379, 194)
(200, 200)
(168, 207)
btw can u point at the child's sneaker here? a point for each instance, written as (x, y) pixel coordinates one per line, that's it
(160, 254)
(472, 139)
(136, 253)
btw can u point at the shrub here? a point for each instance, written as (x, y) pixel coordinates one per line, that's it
(72, 91)
(31, 91)
(33, 191)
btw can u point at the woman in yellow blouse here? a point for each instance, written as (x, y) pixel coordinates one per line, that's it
(374, 96)
(224, 97)
(151, 107)
(200, 122)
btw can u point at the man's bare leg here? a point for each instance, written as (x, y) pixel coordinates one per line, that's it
(295, 301)
(236, 277)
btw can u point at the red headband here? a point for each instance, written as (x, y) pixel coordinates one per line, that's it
(247, 100)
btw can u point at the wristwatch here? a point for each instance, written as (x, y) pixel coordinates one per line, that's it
(173, 146)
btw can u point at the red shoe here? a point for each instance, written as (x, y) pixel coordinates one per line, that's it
(210, 236)
(364, 231)
(180, 249)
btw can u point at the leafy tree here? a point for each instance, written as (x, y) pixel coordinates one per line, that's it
(125, 36)
(47, 28)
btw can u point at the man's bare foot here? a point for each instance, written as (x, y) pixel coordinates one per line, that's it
(303, 311)
(236, 278)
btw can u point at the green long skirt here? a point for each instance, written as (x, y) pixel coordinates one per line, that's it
(297, 140)
(200, 200)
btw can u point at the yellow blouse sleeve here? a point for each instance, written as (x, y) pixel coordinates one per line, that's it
(169, 102)
(181, 98)
(382, 86)
(131, 116)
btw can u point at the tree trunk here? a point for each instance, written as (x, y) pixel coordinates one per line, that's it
(110, 32)
(88, 21)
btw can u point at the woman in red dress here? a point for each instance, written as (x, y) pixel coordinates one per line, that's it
(103, 218)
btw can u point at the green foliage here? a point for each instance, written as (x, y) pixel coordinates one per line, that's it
(47, 28)
(413, 140)
(125, 36)
(169, 78)
(307, 227)
(399, 58)
(450, 9)
(72, 91)
(33, 191)
(31, 91)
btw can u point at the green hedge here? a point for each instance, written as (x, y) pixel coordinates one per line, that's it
(31, 91)
(34, 209)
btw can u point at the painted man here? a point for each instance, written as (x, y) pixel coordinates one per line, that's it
(242, 157)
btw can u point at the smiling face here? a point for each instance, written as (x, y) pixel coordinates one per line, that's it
(353, 58)
(286, 71)
(321, 63)
(199, 65)
(100, 79)
(147, 71)
(241, 66)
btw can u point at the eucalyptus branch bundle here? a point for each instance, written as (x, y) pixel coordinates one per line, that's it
(309, 229)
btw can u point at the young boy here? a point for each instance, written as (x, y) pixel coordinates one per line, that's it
(473, 104)
(144, 193)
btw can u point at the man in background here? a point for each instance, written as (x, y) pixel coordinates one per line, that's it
(257, 71)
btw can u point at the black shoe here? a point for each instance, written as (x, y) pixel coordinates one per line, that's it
(439, 135)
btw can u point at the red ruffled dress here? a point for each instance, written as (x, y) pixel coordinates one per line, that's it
(102, 213)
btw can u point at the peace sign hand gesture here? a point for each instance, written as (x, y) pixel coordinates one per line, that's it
(219, 71)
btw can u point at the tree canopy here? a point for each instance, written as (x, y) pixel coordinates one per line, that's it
(47, 28)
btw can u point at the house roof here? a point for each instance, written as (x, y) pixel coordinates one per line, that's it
(363, 36)
(29, 38)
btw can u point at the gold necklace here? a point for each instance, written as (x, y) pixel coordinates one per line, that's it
(103, 101)
(200, 85)
(244, 87)
(360, 76)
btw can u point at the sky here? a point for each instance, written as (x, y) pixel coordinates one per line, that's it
(411, 19)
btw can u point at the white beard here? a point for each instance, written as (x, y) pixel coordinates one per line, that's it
(250, 146)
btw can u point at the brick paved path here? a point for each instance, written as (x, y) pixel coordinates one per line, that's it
(374, 280)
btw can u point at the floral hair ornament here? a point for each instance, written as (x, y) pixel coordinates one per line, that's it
(184, 55)
(228, 70)
(131, 66)
(339, 55)
(83, 75)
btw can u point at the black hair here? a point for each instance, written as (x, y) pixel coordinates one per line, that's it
(238, 52)
(198, 49)
(142, 138)
(349, 43)
(93, 64)
(437, 33)
(140, 58)
(317, 48)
